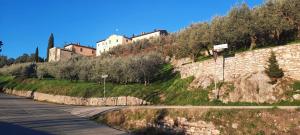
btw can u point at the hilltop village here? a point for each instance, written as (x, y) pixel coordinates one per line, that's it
(102, 46)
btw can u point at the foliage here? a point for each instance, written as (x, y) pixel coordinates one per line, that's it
(136, 69)
(5, 61)
(273, 70)
(20, 70)
(1, 45)
(296, 85)
(50, 45)
(36, 57)
(27, 58)
(273, 23)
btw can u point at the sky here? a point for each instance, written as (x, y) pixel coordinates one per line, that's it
(27, 24)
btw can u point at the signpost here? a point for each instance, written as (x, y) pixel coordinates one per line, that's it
(104, 77)
(218, 48)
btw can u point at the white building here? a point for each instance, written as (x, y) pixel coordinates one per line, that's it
(110, 42)
(153, 34)
(115, 40)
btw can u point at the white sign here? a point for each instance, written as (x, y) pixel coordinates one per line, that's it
(221, 46)
(104, 76)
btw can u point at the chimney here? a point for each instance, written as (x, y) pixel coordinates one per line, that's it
(142, 33)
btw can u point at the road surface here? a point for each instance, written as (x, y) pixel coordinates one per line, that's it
(20, 116)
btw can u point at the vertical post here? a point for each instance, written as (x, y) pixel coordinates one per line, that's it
(215, 78)
(104, 78)
(216, 49)
(104, 88)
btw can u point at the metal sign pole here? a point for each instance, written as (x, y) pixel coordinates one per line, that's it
(104, 78)
(216, 49)
(104, 88)
(215, 78)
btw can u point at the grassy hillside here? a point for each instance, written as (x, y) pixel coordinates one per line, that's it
(168, 89)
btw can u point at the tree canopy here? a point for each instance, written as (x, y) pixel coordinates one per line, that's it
(273, 23)
(50, 45)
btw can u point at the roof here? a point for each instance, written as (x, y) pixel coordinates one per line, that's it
(116, 35)
(161, 31)
(79, 46)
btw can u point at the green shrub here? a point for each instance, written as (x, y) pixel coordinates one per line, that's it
(20, 70)
(273, 70)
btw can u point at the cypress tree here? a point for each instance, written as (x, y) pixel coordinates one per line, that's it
(273, 70)
(1, 44)
(50, 44)
(37, 55)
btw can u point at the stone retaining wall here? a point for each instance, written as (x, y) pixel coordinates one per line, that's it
(288, 57)
(110, 101)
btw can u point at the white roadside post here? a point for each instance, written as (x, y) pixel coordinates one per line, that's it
(218, 48)
(104, 77)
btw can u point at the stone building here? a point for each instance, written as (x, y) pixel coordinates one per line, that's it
(58, 54)
(81, 50)
(115, 40)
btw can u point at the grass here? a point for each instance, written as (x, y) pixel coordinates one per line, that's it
(168, 89)
(296, 85)
(203, 58)
(294, 42)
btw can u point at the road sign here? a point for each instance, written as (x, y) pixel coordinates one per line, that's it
(104, 76)
(221, 46)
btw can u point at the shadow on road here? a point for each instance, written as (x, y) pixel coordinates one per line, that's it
(12, 129)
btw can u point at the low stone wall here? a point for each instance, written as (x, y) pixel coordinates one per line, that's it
(288, 57)
(182, 125)
(110, 101)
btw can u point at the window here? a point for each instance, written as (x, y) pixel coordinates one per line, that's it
(80, 49)
(92, 52)
(126, 40)
(117, 40)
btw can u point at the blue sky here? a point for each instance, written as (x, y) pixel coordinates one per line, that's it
(26, 24)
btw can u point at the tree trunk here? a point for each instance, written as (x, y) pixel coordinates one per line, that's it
(208, 51)
(145, 79)
(253, 42)
(298, 28)
(276, 36)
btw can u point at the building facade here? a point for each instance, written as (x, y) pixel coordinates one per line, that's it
(110, 42)
(81, 50)
(60, 54)
(153, 34)
(115, 40)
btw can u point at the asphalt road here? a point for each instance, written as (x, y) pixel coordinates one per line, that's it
(20, 116)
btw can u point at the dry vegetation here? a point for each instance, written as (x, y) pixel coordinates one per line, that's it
(228, 121)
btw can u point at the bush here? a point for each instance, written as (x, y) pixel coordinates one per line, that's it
(273, 70)
(139, 68)
(20, 70)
